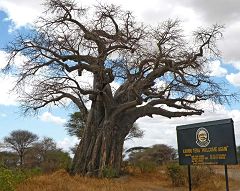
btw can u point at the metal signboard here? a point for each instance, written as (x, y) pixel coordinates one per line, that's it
(207, 143)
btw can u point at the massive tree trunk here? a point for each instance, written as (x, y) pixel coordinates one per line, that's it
(100, 150)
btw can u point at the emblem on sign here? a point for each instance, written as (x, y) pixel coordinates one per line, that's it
(202, 137)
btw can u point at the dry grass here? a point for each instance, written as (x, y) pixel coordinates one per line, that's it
(61, 181)
(157, 181)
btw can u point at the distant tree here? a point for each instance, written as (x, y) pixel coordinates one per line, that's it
(77, 122)
(20, 141)
(55, 160)
(159, 154)
(45, 155)
(45, 145)
(135, 132)
(39, 150)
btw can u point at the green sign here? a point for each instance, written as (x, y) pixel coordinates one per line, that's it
(208, 143)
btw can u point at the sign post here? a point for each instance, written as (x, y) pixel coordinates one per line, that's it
(226, 177)
(207, 143)
(189, 178)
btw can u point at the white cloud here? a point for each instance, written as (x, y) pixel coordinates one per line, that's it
(67, 143)
(21, 14)
(7, 82)
(234, 79)
(48, 117)
(230, 42)
(3, 59)
(7, 97)
(236, 64)
(216, 69)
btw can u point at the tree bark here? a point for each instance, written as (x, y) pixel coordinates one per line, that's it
(100, 150)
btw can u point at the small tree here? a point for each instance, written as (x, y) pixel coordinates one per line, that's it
(38, 152)
(135, 132)
(20, 141)
(45, 145)
(75, 125)
(55, 160)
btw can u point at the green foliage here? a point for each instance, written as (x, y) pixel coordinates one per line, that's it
(76, 124)
(20, 141)
(176, 174)
(109, 172)
(10, 178)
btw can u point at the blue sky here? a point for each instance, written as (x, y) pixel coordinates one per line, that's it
(15, 17)
(49, 122)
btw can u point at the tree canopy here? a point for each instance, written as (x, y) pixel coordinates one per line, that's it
(20, 141)
(155, 65)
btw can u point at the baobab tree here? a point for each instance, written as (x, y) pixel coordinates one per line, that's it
(133, 71)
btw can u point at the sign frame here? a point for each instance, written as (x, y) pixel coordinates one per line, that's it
(203, 140)
(203, 144)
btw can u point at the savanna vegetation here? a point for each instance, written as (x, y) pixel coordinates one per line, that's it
(46, 167)
(24, 155)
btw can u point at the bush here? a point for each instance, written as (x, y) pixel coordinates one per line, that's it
(109, 172)
(179, 175)
(9, 179)
(176, 174)
(200, 174)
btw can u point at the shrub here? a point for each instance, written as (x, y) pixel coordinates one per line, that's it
(9, 179)
(109, 172)
(200, 175)
(176, 174)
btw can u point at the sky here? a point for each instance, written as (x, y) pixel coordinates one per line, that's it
(18, 17)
